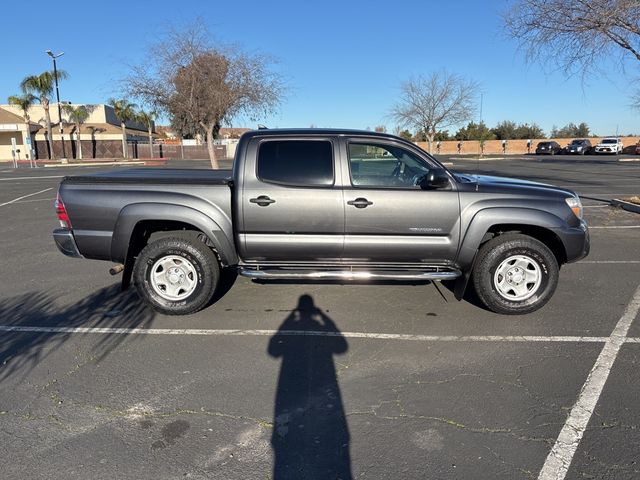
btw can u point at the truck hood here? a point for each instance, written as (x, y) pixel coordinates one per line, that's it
(514, 185)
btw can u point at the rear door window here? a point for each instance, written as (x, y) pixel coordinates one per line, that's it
(296, 162)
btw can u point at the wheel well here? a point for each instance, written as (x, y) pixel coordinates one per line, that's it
(149, 230)
(546, 236)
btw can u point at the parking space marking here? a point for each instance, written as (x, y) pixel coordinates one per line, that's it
(49, 199)
(24, 196)
(304, 333)
(608, 261)
(561, 455)
(614, 226)
(30, 178)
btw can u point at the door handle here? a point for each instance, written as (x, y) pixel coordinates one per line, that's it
(262, 200)
(360, 202)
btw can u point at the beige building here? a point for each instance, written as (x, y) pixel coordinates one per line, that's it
(101, 134)
(14, 131)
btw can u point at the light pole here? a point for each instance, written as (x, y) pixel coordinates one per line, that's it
(55, 75)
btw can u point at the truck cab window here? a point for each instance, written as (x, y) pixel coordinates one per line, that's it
(296, 162)
(380, 166)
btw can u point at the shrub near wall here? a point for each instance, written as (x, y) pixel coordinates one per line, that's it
(514, 147)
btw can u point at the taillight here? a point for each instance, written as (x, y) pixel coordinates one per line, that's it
(62, 214)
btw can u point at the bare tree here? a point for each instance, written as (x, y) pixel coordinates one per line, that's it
(201, 86)
(576, 33)
(436, 102)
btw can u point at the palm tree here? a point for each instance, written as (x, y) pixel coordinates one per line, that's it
(148, 118)
(125, 111)
(78, 115)
(24, 102)
(41, 86)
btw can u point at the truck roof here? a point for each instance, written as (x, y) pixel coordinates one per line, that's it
(318, 132)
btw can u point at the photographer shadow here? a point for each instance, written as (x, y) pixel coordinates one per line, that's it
(310, 436)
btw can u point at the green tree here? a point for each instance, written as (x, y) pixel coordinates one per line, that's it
(406, 134)
(41, 86)
(442, 136)
(505, 130)
(475, 131)
(571, 130)
(148, 119)
(582, 130)
(526, 131)
(125, 111)
(78, 115)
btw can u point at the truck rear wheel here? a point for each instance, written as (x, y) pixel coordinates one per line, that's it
(515, 274)
(176, 275)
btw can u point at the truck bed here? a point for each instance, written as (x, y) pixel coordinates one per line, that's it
(171, 176)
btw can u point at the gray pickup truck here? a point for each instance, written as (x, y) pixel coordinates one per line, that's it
(330, 205)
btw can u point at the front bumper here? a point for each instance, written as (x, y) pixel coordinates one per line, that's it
(66, 243)
(576, 241)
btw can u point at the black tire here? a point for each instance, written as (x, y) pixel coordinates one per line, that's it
(497, 252)
(191, 257)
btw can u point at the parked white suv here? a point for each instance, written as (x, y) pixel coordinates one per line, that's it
(609, 145)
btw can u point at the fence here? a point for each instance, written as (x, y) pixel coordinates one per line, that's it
(515, 147)
(101, 149)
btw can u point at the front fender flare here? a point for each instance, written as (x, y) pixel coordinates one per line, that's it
(483, 220)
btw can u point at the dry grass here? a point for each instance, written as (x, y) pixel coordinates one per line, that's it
(635, 199)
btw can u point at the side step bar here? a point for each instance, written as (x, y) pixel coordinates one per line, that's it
(303, 274)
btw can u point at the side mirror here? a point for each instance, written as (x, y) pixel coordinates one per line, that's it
(436, 178)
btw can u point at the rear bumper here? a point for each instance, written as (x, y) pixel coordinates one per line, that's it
(576, 241)
(66, 243)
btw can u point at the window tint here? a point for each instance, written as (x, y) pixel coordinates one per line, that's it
(385, 166)
(296, 162)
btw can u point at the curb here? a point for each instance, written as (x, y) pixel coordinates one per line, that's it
(628, 206)
(92, 164)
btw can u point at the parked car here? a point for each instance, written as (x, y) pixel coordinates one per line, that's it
(316, 204)
(609, 145)
(579, 146)
(548, 148)
(637, 150)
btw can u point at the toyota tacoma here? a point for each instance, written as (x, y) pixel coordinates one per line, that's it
(330, 205)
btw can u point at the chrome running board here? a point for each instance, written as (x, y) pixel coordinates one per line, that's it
(271, 273)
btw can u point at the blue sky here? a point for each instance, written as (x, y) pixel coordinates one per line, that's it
(343, 61)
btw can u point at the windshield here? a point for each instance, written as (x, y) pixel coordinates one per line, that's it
(609, 140)
(577, 142)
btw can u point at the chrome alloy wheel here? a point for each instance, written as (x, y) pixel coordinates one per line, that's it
(517, 278)
(173, 277)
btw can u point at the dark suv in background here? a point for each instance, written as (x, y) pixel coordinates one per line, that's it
(579, 147)
(548, 148)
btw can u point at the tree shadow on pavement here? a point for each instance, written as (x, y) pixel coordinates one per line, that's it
(310, 435)
(21, 351)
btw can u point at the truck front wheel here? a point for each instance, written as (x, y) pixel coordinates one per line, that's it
(176, 275)
(515, 274)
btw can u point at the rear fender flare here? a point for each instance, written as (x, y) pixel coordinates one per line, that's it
(218, 230)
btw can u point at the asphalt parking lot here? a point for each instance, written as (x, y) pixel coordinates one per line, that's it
(381, 381)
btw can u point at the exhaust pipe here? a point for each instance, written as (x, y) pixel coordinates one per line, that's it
(116, 269)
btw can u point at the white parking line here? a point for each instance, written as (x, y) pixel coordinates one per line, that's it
(24, 196)
(30, 178)
(613, 226)
(559, 459)
(608, 261)
(37, 200)
(303, 333)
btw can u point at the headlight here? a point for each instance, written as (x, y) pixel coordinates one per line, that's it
(575, 205)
